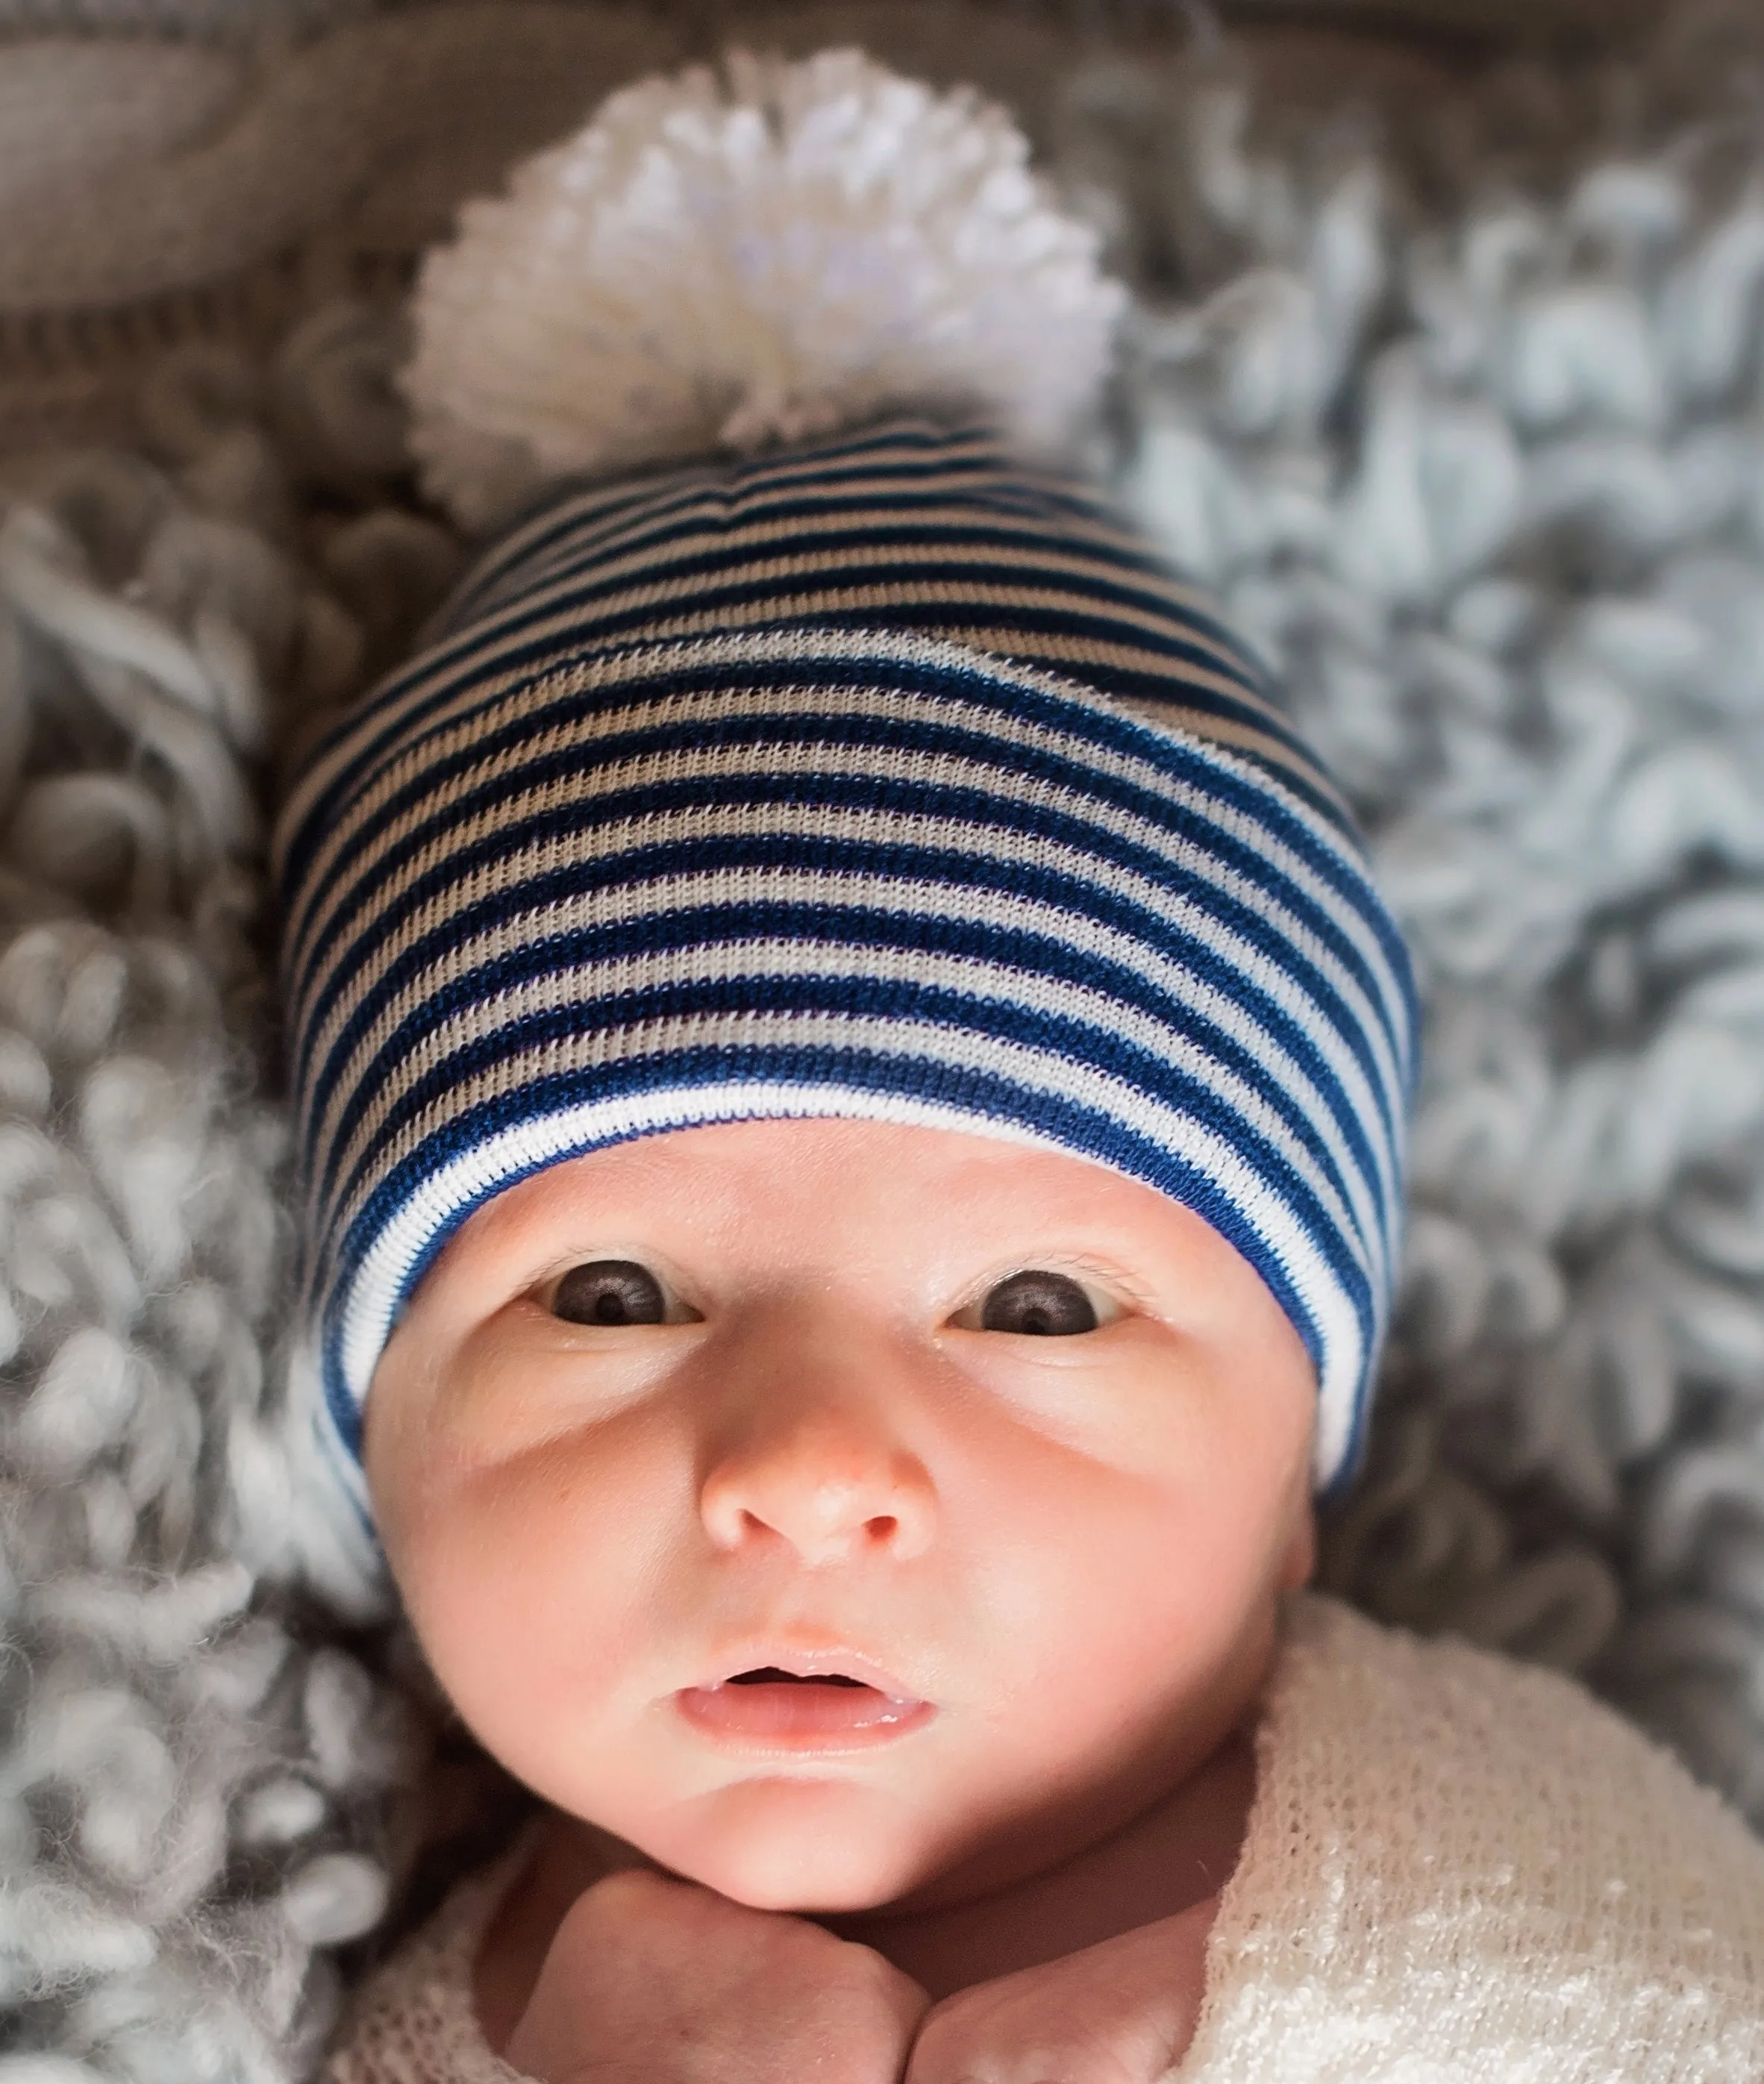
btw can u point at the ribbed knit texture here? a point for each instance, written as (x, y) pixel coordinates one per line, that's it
(1459, 1870)
(883, 778)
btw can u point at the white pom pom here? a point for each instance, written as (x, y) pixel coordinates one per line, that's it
(725, 263)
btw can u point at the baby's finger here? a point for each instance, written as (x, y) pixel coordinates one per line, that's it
(1121, 2012)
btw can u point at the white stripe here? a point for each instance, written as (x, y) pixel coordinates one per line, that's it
(474, 663)
(970, 461)
(695, 510)
(594, 779)
(483, 702)
(523, 688)
(1027, 568)
(1357, 1220)
(641, 896)
(990, 779)
(370, 1300)
(600, 981)
(1177, 906)
(489, 701)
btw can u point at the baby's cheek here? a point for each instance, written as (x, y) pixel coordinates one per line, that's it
(526, 1554)
(467, 1433)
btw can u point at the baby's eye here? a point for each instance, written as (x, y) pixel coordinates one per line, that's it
(1043, 1305)
(609, 1291)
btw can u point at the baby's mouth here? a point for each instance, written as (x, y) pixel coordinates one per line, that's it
(771, 1675)
(772, 1705)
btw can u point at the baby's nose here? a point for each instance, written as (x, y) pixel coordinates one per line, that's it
(829, 1482)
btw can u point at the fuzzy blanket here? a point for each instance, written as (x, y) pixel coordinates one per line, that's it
(1450, 380)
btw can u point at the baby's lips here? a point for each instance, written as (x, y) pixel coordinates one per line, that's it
(801, 1716)
(836, 1660)
(767, 1694)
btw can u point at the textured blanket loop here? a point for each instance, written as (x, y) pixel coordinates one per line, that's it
(1455, 397)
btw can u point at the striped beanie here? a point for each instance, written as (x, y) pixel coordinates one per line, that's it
(878, 775)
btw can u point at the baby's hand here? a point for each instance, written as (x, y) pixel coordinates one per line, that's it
(1122, 2012)
(651, 1980)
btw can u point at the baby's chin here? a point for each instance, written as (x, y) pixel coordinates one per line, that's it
(797, 1843)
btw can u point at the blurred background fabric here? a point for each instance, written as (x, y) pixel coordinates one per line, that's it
(1445, 370)
(172, 168)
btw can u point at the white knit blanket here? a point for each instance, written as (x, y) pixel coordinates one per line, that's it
(1449, 380)
(1456, 1870)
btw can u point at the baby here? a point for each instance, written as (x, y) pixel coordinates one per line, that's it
(851, 1077)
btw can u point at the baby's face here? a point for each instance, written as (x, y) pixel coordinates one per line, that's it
(1016, 1442)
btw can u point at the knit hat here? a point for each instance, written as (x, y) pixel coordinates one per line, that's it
(880, 773)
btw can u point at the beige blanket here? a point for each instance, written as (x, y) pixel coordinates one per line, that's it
(1456, 1869)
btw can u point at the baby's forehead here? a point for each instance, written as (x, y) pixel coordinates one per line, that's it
(830, 1176)
(840, 1202)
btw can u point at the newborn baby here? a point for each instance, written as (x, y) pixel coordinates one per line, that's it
(851, 1076)
(853, 1518)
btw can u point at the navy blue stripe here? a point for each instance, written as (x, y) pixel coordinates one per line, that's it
(781, 853)
(786, 1063)
(301, 844)
(564, 516)
(540, 635)
(838, 861)
(1062, 1121)
(693, 581)
(703, 488)
(724, 538)
(576, 821)
(836, 928)
(938, 561)
(402, 741)
(891, 456)
(817, 562)
(406, 728)
(943, 739)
